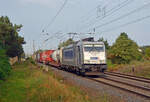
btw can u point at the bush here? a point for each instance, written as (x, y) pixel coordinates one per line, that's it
(124, 50)
(31, 60)
(147, 53)
(5, 66)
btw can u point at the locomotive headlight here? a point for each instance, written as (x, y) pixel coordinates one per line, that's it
(102, 61)
(87, 61)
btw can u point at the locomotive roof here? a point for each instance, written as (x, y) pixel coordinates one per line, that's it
(84, 42)
(95, 42)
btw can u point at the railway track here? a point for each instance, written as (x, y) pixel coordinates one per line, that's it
(125, 85)
(137, 85)
(147, 80)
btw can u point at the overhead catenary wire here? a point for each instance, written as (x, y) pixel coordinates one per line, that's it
(51, 37)
(62, 36)
(61, 10)
(89, 12)
(53, 19)
(111, 11)
(123, 16)
(128, 23)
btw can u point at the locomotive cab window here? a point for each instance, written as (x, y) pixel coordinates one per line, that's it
(96, 48)
(68, 54)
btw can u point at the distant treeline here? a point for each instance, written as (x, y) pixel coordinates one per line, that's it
(123, 51)
(10, 44)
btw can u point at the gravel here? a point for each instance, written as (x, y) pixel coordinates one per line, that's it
(99, 88)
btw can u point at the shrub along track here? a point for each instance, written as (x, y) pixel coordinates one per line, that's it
(137, 85)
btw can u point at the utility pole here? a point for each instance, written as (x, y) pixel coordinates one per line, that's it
(101, 11)
(33, 47)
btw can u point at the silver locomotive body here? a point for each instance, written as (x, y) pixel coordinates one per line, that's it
(84, 56)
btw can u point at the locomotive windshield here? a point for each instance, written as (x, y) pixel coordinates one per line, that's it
(95, 48)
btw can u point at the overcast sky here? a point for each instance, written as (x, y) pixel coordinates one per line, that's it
(79, 16)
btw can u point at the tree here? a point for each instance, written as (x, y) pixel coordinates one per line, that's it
(124, 50)
(9, 37)
(66, 43)
(5, 67)
(147, 53)
(39, 51)
(105, 42)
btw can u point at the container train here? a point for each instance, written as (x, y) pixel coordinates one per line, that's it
(82, 57)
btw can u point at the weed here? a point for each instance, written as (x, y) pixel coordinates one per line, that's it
(27, 84)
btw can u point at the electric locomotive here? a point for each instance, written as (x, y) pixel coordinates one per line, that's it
(83, 57)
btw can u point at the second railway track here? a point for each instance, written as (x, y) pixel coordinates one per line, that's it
(142, 79)
(137, 85)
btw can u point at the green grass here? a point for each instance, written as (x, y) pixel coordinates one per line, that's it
(14, 89)
(28, 83)
(142, 68)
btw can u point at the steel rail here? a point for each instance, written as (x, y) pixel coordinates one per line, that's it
(142, 79)
(140, 87)
(125, 89)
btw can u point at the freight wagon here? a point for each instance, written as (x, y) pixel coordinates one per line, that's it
(44, 57)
